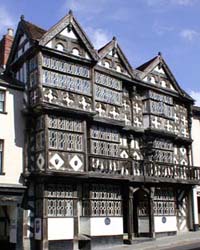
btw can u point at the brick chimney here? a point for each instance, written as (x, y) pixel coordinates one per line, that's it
(5, 47)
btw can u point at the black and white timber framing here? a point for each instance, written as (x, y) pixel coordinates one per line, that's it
(108, 147)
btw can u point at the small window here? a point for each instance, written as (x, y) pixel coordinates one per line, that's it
(119, 68)
(75, 52)
(107, 64)
(2, 101)
(1, 156)
(59, 47)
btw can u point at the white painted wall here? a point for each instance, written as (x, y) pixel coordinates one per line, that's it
(85, 225)
(196, 161)
(12, 132)
(169, 226)
(96, 226)
(60, 228)
(196, 140)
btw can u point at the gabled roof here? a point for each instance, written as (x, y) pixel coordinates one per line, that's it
(34, 31)
(63, 23)
(146, 64)
(148, 67)
(114, 45)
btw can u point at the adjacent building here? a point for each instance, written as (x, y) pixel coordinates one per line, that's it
(196, 161)
(11, 153)
(107, 148)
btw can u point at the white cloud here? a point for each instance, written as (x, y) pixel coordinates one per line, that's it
(170, 2)
(5, 19)
(190, 34)
(160, 29)
(184, 2)
(196, 96)
(85, 6)
(98, 36)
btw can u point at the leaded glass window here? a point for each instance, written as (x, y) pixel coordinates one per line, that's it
(60, 200)
(65, 141)
(67, 82)
(66, 67)
(104, 141)
(2, 101)
(164, 202)
(108, 81)
(65, 134)
(104, 200)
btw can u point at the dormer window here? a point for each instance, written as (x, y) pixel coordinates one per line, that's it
(118, 68)
(107, 64)
(75, 52)
(59, 47)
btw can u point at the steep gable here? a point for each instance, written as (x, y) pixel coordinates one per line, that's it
(112, 57)
(67, 36)
(157, 72)
(26, 34)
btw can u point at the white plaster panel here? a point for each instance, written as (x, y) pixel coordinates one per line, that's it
(143, 224)
(196, 141)
(68, 33)
(169, 226)
(99, 228)
(85, 225)
(60, 228)
(49, 44)
(12, 132)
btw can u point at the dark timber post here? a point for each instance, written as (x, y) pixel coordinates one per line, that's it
(151, 212)
(130, 215)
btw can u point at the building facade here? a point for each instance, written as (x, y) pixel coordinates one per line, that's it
(11, 154)
(196, 161)
(107, 147)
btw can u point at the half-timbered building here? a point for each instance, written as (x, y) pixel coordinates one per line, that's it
(108, 147)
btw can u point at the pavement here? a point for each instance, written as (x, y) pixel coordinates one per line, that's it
(181, 241)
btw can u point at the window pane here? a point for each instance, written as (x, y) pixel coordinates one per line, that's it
(1, 106)
(2, 95)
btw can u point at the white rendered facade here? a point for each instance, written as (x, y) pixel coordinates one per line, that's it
(12, 143)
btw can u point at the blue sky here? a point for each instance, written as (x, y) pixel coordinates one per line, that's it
(142, 27)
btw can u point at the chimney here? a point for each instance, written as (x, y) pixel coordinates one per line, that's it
(5, 47)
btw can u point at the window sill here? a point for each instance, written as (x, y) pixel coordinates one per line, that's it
(2, 173)
(3, 112)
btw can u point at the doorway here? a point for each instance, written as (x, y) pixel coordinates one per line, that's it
(141, 213)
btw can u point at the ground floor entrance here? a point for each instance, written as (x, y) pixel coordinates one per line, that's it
(11, 219)
(94, 214)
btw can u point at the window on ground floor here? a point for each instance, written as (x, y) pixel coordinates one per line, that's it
(102, 200)
(2, 101)
(164, 202)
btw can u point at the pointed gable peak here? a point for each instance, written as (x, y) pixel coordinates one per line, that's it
(70, 27)
(156, 72)
(111, 56)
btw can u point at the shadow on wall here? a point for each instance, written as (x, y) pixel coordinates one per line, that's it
(19, 122)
